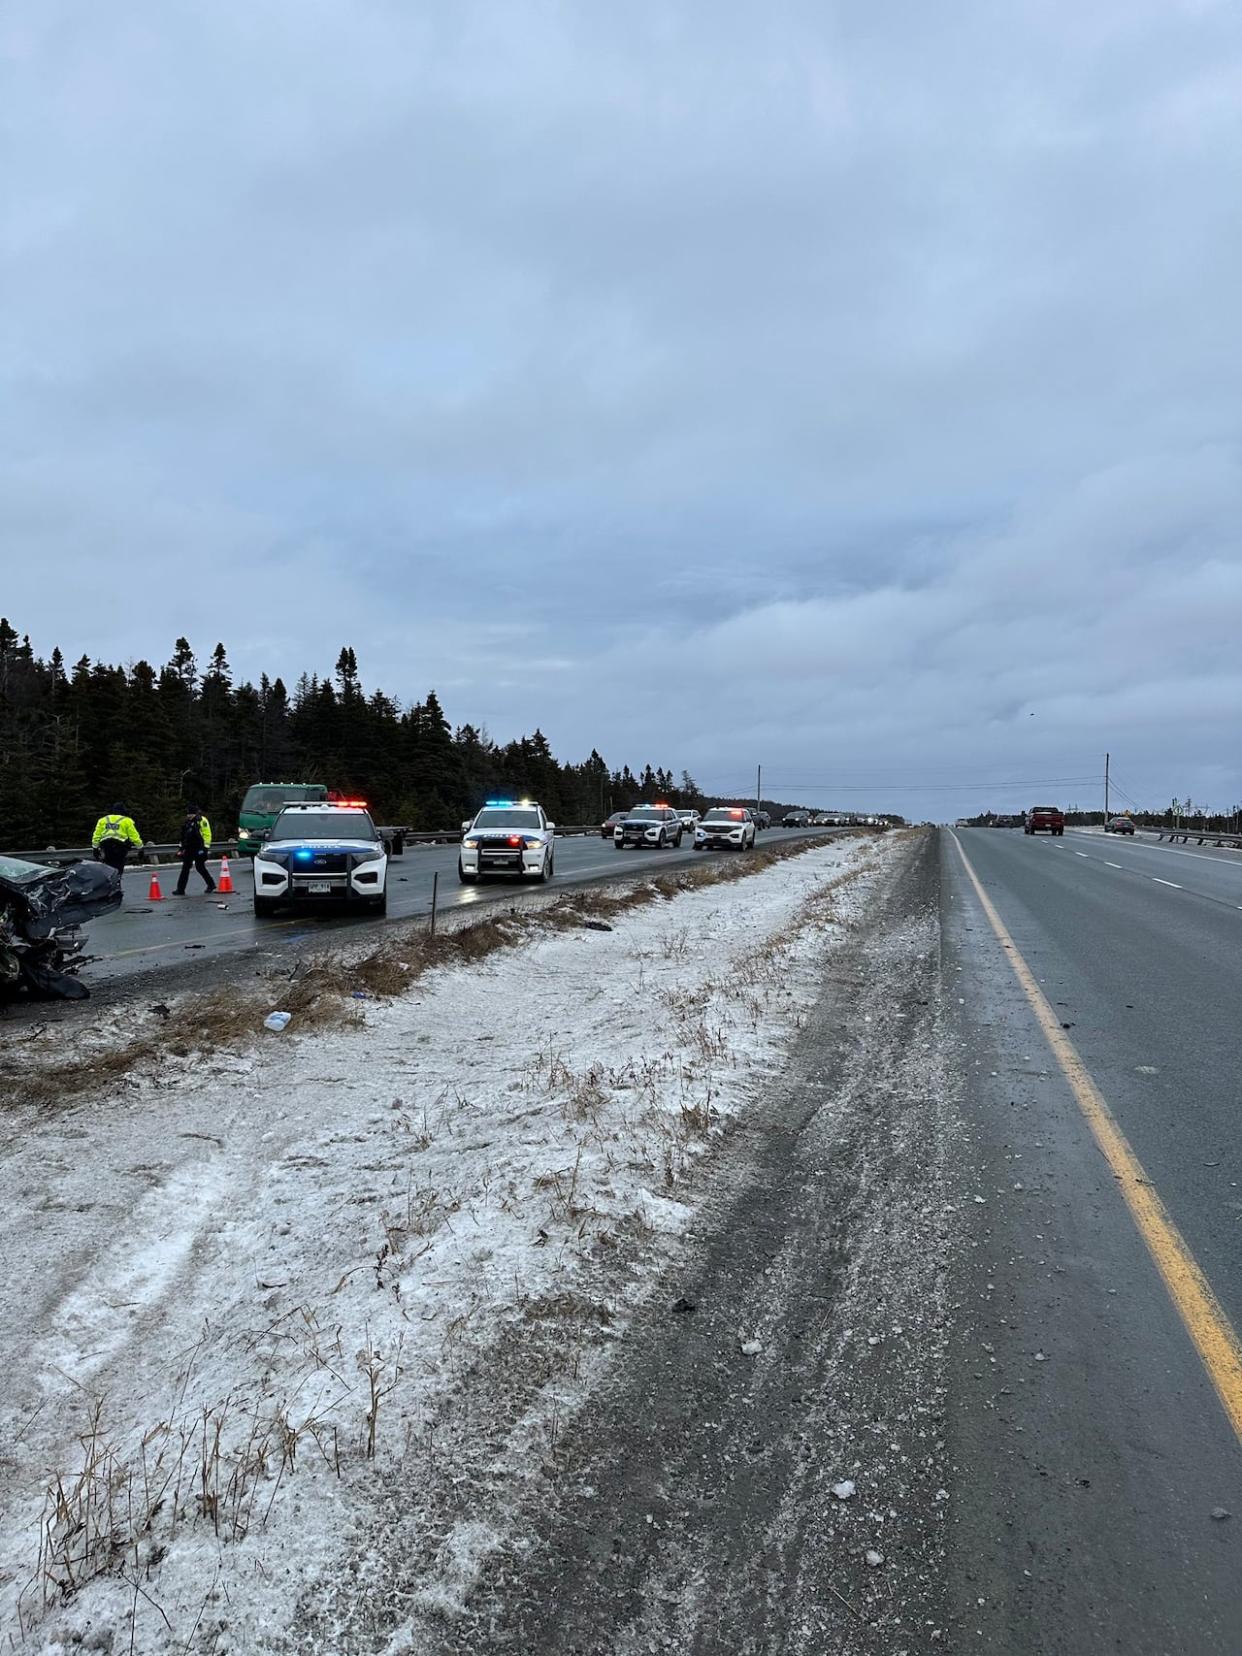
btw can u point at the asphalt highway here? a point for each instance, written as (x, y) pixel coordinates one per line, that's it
(1100, 1505)
(146, 937)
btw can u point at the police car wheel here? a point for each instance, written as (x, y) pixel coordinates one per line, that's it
(379, 905)
(263, 906)
(545, 873)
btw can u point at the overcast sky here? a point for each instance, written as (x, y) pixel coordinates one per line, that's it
(848, 387)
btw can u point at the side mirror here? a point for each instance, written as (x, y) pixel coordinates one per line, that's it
(465, 827)
(551, 826)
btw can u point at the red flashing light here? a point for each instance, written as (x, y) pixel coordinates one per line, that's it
(737, 815)
(353, 804)
(515, 839)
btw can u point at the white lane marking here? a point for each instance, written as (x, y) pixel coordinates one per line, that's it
(1107, 864)
(1080, 853)
(1173, 851)
(1172, 883)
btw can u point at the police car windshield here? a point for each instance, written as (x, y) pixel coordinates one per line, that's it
(722, 815)
(647, 813)
(509, 817)
(324, 825)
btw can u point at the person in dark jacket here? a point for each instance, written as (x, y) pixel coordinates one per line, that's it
(195, 844)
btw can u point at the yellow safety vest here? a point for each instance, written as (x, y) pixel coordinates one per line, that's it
(117, 828)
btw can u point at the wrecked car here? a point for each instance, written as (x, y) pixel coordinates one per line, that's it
(42, 911)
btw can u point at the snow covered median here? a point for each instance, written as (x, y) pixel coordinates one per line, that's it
(277, 1320)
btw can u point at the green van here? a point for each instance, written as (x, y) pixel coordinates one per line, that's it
(262, 805)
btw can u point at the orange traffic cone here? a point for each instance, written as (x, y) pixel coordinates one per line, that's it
(224, 885)
(155, 895)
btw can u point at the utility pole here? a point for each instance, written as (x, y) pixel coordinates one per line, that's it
(759, 789)
(1106, 787)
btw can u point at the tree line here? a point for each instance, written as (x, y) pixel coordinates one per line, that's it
(75, 740)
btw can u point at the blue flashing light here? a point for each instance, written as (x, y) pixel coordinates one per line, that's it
(303, 856)
(500, 802)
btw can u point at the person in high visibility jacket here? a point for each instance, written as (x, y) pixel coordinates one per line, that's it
(195, 844)
(113, 836)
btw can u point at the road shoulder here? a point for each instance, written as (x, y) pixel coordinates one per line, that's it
(764, 1472)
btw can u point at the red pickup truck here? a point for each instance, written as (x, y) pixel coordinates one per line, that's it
(1041, 819)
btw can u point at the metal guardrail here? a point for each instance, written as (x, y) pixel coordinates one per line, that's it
(151, 853)
(1201, 836)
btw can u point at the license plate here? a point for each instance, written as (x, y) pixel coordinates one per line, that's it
(318, 888)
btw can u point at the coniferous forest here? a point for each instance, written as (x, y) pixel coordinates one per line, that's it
(74, 740)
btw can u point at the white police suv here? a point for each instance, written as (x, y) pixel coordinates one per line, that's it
(508, 837)
(726, 828)
(657, 825)
(322, 853)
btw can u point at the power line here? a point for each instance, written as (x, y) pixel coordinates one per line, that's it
(832, 784)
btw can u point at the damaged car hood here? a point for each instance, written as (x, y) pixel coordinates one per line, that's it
(41, 899)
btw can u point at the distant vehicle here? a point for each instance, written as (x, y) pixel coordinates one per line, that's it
(609, 824)
(263, 803)
(657, 825)
(726, 828)
(322, 853)
(763, 819)
(1044, 819)
(508, 836)
(689, 820)
(1119, 825)
(795, 819)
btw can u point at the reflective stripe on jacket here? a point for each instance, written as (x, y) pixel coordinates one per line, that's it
(195, 836)
(116, 828)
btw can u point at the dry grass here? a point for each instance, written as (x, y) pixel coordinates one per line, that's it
(223, 1466)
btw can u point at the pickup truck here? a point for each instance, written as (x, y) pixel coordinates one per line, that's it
(1044, 819)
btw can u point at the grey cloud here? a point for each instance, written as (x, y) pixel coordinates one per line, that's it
(886, 352)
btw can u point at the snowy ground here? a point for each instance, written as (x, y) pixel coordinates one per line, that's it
(237, 1293)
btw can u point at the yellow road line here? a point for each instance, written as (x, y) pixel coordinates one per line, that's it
(1202, 1313)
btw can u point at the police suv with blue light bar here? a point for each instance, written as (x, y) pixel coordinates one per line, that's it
(322, 853)
(656, 825)
(508, 836)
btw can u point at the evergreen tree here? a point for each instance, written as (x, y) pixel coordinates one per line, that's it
(73, 742)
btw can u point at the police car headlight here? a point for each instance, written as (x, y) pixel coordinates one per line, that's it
(470, 844)
(280, 858)
(533, 844)
(373, 855)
